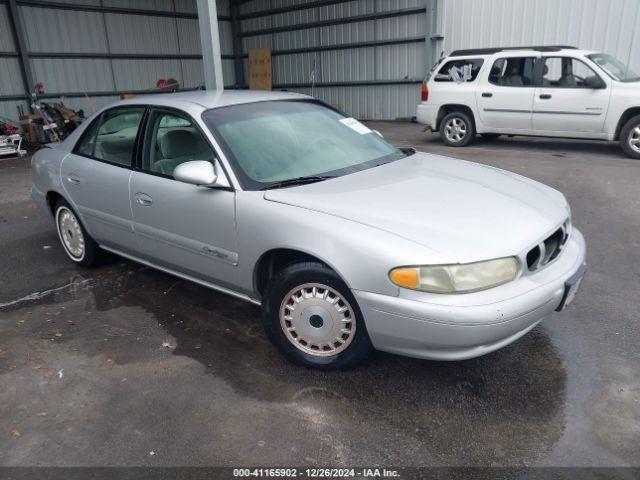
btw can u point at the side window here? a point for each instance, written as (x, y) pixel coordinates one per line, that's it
(172, 139)
(87, 142)
(459, 71)
(112, 136)
(117, 135)
(565, 72)
(512, 72)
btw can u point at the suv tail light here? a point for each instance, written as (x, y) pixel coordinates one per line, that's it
(425, 92)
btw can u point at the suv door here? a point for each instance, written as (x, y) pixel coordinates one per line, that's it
(180, 226)
(96, 176)
(505, 97)
(572, 97)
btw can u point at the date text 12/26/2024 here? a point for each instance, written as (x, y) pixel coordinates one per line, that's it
(315, 473)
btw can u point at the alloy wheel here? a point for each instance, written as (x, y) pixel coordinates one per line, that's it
(455, 130)
(634, 139)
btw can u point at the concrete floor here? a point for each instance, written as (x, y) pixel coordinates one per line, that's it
(123, 365)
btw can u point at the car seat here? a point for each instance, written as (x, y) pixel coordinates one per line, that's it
(179, 146)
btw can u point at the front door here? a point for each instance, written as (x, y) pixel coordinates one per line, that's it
(572, 98)
(505, 96)
(183, 227)
(96, 177)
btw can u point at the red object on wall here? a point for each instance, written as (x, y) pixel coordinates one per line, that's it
(162, 84)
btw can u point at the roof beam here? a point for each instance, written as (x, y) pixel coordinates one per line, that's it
(99, 8)
(336, 21)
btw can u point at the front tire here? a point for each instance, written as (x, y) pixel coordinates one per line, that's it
(457, 129)
(76, 242)
(313, 319)
(630, 138)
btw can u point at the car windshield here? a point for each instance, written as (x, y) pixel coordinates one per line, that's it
(614, 67)
(276, 143)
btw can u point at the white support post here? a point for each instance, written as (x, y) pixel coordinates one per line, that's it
(210, 40)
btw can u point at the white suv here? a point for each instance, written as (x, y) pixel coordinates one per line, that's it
(540, 91)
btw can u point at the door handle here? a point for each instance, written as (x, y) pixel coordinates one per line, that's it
(143, 199)
(487, 95)
(73, 179)
(545, 96)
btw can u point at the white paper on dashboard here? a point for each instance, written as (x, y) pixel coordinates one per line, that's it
(354, 124)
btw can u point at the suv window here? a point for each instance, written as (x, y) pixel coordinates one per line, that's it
(112, 137)
(567, 72)
(513, 72)
(464, 70)
(173, 139)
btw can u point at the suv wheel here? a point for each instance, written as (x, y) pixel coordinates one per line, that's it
(457, 129)
(77, 243)
(630, 137)
(312, 318)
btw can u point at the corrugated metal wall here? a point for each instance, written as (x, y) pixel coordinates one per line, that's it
(379, 81)
(10, 76)
(611, 26)
(398, 68)
(174, 42)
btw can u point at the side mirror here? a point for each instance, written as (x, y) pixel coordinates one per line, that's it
(594, 82)
(201, 173)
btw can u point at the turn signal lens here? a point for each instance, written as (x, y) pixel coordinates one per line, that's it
(425, 92)
(406, 277)
(457, 278)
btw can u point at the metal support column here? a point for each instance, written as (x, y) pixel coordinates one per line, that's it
(434, 36)
(236, 30)
(17, 27)
(210, 40)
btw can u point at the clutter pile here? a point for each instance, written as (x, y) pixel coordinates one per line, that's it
(50, 122)
(10, 139)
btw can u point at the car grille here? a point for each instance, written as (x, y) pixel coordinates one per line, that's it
(549, 249)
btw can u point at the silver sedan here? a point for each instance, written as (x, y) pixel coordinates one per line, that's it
(349, 243)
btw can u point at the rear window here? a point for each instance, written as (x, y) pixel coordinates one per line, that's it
(460, 71)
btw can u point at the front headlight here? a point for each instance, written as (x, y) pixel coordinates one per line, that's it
(458, 278)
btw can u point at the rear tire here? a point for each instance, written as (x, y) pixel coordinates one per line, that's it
(313, 319)
(76, 242)
(457, 129)
(630, 138)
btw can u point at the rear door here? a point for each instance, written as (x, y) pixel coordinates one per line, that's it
(567, 100)
(505, 94)
(96, 176)
(183, 227)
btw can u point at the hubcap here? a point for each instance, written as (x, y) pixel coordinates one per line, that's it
(317, 319)
(70, 233)
(634, 139)
(455, 130)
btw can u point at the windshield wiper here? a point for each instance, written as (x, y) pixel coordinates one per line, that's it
(290, 182)
(408, 151)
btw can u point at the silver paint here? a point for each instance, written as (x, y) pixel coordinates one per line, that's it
(423, 209)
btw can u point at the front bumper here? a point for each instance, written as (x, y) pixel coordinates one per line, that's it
(458, 327)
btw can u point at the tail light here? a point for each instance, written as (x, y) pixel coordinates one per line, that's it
(425, 92)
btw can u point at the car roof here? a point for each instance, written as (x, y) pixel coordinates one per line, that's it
(206, 99)
(537, 49)
(192, 102)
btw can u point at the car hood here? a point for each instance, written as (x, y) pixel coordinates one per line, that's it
(464, 211)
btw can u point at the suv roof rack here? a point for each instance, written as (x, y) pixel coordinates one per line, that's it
(491, 51)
